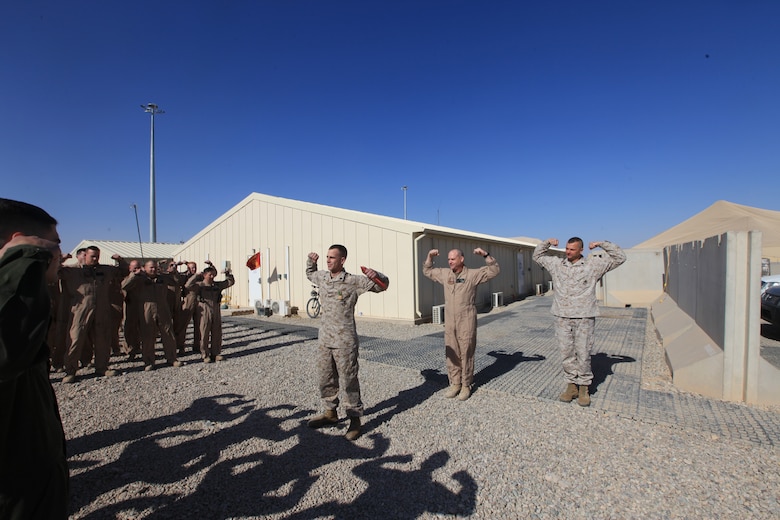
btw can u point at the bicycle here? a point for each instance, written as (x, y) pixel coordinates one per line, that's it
(313, 306)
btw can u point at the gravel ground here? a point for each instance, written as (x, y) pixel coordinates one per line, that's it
(229, 440)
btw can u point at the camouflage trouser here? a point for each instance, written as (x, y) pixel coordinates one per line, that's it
(334, 365)
(575, 339)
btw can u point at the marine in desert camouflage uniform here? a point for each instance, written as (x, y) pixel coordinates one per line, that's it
(575, 308)
(337, 350)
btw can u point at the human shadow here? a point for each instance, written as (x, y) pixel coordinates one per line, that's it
(271, 326)
(230, 457)
(265, 481)
(399, 493)
(239, 350)
(433, 381)
(215, 409)
(502, 364)
(601, 365)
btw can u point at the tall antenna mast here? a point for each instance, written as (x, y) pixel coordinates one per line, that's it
(152, 109)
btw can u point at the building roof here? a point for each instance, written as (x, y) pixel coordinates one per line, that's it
(529, 240)
(394, 223)
(127, 250)
(719, 218)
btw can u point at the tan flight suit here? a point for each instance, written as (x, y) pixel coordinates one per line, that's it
(174, 297)
(86, 291)
(177, 281)
(209, 298)
(131, 326)
(117, 310)
(574, 305)
(151, 297)
(337, 349)
(460, 315)
(189, 303)
(56, 335)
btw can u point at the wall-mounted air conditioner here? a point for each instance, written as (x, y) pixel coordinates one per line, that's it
(438, 314)
(281, 307)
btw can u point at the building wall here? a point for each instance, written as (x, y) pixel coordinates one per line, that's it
(431, 293)
(716, 283)
(638, 282)
(697, 282)
(285, 235)
(285, 231)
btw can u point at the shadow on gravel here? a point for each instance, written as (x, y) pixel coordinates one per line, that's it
(503, 364)
(237, 350)
(222, 457)
(405, 400)
(395, 493)
(601, 365)
(434, 381)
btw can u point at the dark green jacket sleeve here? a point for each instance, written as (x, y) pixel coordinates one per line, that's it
(34, 478)
(25, 309)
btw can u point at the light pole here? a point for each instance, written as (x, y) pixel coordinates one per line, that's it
(404, 188)
(152, 109)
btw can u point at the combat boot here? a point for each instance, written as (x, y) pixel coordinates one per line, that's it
(569, 394)
(325, 419)
(465, 393)
(584, 398)
(452, 391)
(353, 432)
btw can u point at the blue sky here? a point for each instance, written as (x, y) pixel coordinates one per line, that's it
(605, 119)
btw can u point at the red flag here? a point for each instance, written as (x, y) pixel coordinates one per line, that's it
(254, 261)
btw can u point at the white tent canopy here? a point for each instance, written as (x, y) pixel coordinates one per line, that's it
(719, 218)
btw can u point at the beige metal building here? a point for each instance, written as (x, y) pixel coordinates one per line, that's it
(285, 231)
(127, 250)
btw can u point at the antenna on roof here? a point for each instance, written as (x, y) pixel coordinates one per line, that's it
(135, 208)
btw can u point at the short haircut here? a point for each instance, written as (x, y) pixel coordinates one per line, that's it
(93, 248)
(21, 217)
(342, 249)
(211, 269)
(81, 250)
(576, 239)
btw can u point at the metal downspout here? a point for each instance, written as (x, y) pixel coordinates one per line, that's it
(417, 310)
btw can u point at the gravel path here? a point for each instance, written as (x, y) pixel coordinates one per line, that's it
(229, 440)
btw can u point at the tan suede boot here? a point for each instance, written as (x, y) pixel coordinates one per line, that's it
(584, 398)
(452, 391)
(353, 432)
(328, 418)
(569, 394)
(465, 393)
